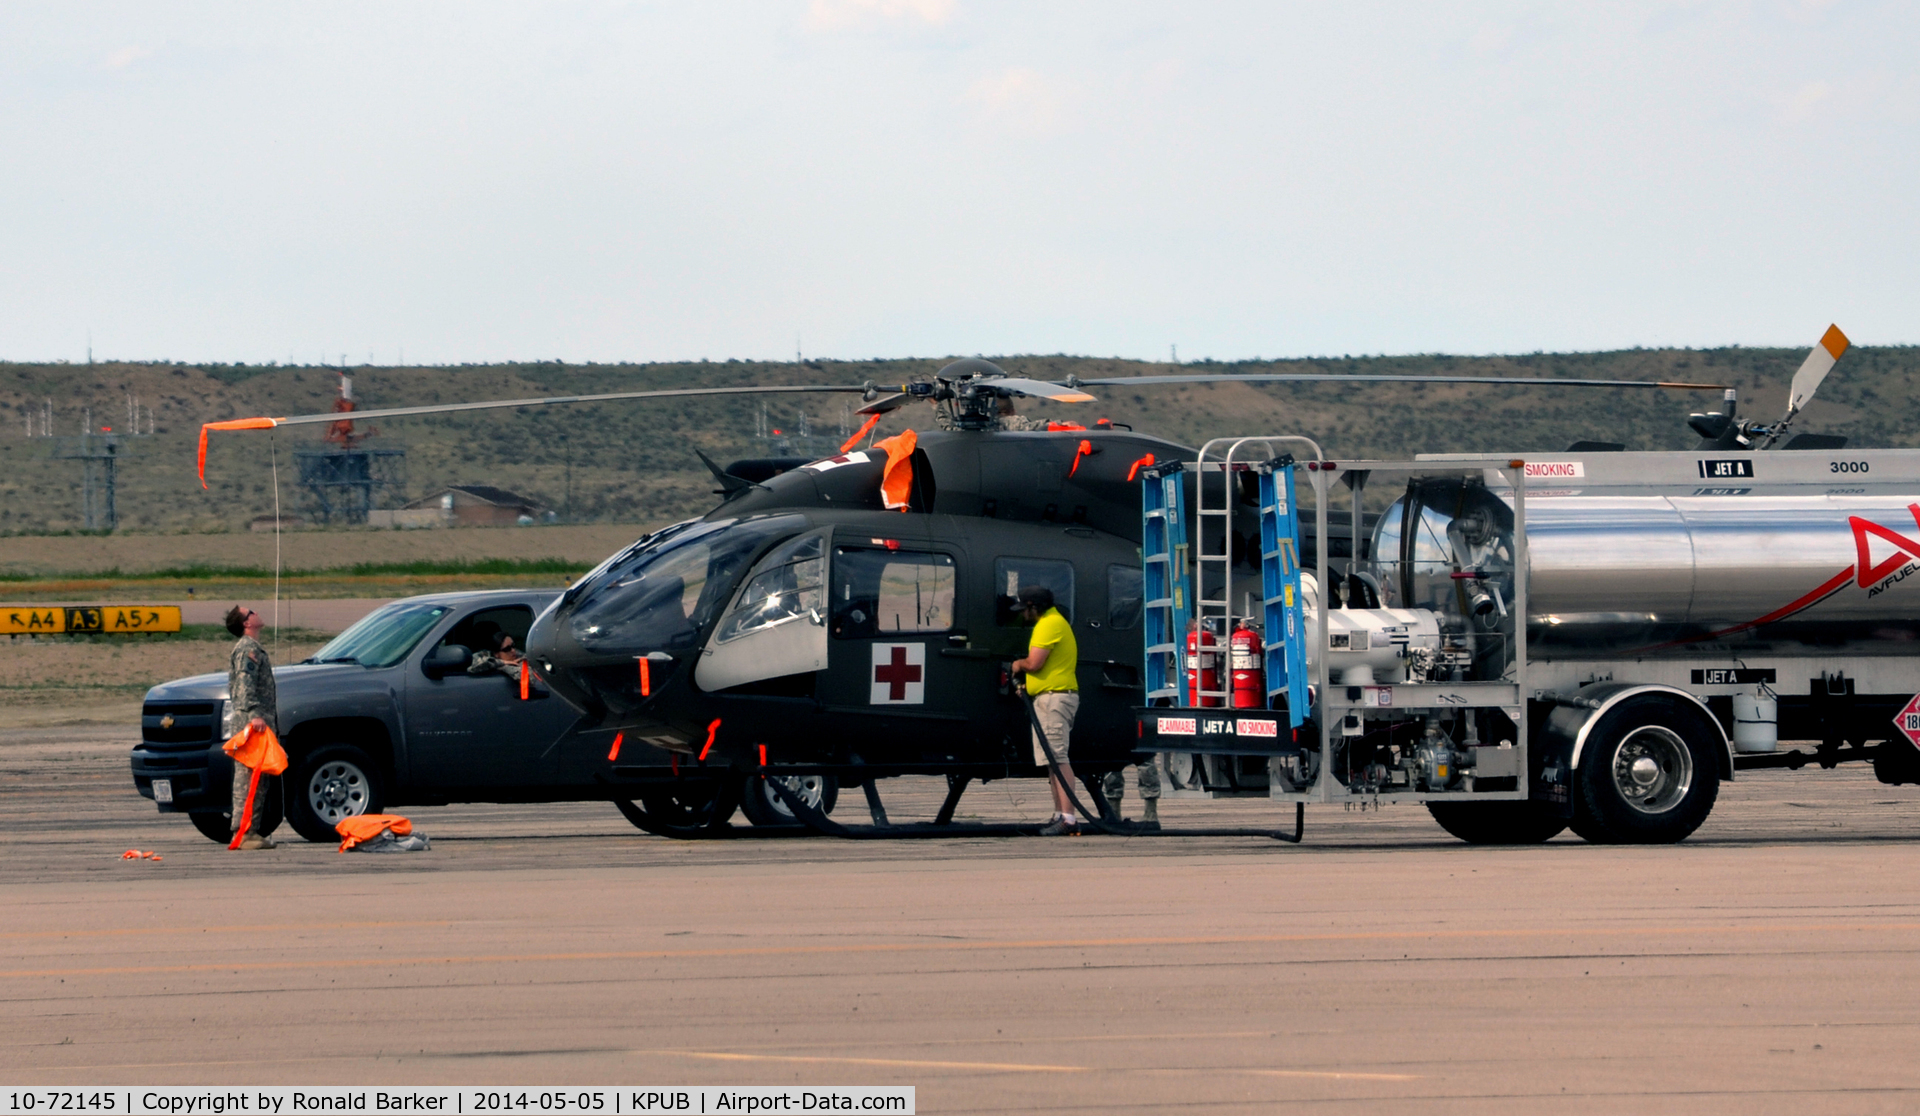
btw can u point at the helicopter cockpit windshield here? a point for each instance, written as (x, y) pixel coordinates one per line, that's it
(660, 596)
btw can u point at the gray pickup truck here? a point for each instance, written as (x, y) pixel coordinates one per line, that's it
(387, 715)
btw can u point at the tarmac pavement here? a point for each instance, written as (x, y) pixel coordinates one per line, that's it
(1770, 963)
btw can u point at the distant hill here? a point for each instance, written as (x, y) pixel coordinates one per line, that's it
(633, 462)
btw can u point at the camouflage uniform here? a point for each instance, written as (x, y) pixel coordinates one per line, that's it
(252, 694)
(486, 662)
(944, 421)
(1113, 786)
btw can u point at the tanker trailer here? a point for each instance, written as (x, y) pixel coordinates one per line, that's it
(1685, 612)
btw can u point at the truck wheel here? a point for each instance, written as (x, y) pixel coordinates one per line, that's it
(763, 807)
(1498, 823)
(328, 784)
(1648, 774)
(219, 827)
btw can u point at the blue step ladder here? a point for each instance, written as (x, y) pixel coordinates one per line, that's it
(1283, 614)
(1166, 567)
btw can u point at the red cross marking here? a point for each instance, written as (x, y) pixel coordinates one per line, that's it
(896, 674)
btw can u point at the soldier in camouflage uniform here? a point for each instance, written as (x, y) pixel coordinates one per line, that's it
(254, 701)
(1113, 787)
(1009, 419)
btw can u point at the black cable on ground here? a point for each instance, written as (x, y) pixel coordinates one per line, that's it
(1127, 829)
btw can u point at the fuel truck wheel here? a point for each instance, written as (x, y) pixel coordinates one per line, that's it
(1498, 823)
(1648, 774)
(329, 784)
(763, 807)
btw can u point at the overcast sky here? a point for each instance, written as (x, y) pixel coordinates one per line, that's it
(637, 181)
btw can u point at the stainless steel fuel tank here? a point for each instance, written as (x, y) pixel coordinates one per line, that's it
(1625, 547)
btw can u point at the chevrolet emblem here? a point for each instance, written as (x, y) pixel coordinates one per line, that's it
(166, 721)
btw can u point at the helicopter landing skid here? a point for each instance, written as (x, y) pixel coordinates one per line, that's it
(644, 820)
(944, 826)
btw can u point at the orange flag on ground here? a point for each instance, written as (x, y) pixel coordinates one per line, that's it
(365, 827)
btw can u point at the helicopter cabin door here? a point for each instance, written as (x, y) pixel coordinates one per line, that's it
(892, 692)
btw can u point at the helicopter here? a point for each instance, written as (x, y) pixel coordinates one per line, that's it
(849, 618)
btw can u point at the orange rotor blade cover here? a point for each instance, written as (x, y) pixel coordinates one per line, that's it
(896, 481)
(230, 424)
(257, 748)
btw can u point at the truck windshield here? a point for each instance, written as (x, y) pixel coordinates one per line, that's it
(384, 636)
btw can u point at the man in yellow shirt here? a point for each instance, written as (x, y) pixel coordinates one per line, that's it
(1053, 682)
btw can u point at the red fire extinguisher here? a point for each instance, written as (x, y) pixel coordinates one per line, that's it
(1203, 668)
(1249, 671)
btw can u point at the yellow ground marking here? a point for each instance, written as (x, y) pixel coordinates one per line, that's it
(958, 947)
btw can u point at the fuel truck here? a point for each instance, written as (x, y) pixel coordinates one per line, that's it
(1593, 639)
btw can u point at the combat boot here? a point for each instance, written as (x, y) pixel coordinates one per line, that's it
(256, 841)
(1150, 819)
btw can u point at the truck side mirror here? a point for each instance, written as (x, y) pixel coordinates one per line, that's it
(448, 658)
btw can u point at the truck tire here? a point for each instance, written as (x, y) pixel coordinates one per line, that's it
(219, 827)
(330, 783)
(762, 807)
(1498, 823)
(1648, 774)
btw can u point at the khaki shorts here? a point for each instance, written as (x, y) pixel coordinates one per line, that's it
(1056, 710)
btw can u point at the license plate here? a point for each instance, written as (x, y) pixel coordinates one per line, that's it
(163, 790)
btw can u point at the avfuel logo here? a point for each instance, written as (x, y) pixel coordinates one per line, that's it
(1897, 566)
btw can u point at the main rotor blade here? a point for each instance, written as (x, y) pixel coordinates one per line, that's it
(1335, 377)
(886, 403)
(554, 400)
(1833, 345)
(1059, 393)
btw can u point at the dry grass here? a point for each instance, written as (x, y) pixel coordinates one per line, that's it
(45, 556)
(101, 681)
(79, 590)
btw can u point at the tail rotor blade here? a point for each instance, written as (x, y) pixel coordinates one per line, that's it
(1833, 345)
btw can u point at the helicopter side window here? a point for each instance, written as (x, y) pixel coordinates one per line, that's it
(882, 592)
(1125, 595)
(1010, 575)
(786, 585)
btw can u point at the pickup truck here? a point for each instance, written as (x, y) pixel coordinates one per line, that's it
(386, 715)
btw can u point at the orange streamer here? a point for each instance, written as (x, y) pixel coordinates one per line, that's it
(1085, 450)
(614, 752)
(230, 424)
(1137, 466)
(866, 429)
(713, 730)
(246, 813)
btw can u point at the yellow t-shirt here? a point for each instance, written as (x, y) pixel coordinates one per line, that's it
(1061, 674)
